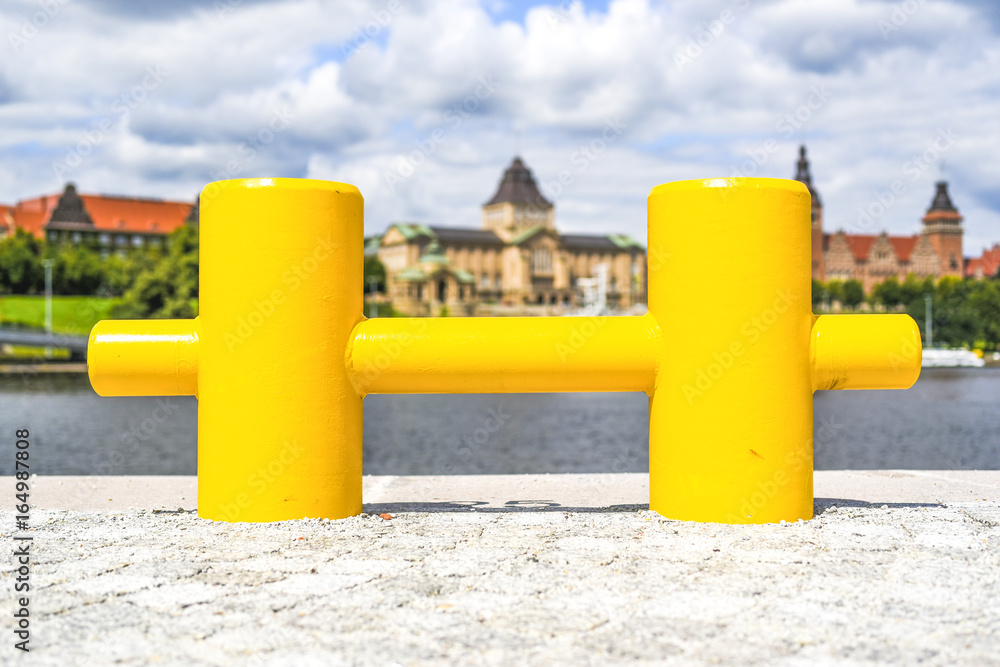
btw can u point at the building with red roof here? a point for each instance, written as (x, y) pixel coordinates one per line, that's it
(985, 266)
(872, 258)
(110, 223)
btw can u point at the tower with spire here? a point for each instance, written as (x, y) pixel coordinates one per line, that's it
(517, 204)
(942, 226)
(802, 175)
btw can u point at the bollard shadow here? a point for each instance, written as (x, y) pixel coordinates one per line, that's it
(821, 505)
(481, 506)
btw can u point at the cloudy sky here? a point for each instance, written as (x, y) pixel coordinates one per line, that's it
(422, 103)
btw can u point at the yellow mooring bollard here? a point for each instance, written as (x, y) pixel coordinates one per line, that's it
(281, 356)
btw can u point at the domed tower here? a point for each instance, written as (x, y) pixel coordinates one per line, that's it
(802, 175)
(517, 204)
(943, 227)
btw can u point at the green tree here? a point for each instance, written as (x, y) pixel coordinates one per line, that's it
(835, 290)
(854, 293)
(985, 302)
(817, 293)
(913, 288)
(888, 293)
(169, 287)
(77, 270)
(21, 270)
(120, 273)
(374, 271)
(954, 320)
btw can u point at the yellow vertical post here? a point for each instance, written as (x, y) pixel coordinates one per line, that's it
(279, 424)
(730, 419)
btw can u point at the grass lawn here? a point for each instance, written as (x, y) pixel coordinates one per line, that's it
(70, 314)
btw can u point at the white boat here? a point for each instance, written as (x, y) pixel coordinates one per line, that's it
(936, 358)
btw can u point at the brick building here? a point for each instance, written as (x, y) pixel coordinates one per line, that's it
(872, 258)
(986, 265)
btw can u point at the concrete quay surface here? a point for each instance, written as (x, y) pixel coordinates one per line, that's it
(898, 567)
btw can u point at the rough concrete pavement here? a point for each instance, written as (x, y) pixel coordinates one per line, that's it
(520, 580)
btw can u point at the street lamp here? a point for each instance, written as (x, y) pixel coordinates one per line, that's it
(373, 310)
(47, 263)
(928, 320)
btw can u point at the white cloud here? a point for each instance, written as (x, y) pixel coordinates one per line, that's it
(747, 73)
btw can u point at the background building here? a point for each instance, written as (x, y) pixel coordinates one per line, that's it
(109, 223)
(872, 258)
(516, 258)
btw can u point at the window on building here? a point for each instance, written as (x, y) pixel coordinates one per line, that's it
(497, 281)
(952, 261)
(121, 239)
(541, 260)
(104, 239)
(614, 284)
(136, 241)
(484, 281)
(53, 236)
(155, 241)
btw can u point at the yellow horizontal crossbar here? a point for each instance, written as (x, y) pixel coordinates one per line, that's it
(144, 357)
(509, 354)
(865, 352)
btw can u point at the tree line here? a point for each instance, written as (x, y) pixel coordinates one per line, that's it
(964, 312)
(149, 282)
(164, 283)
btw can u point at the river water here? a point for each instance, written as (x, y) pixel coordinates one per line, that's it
(949, 420)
